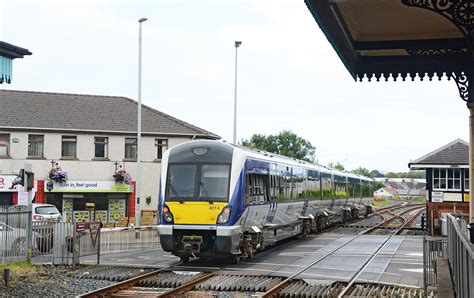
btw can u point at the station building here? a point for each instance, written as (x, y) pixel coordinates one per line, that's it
(89, 137)
(447, 182)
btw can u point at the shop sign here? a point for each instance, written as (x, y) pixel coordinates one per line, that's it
(437, 196)
(89, 186)
(6, 182)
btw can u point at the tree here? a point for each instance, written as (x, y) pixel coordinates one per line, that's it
(362, 171)
(337, 166)
(285, 143)
(376, 174)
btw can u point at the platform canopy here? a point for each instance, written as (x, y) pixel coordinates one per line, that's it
(400, 39)
(8, 52)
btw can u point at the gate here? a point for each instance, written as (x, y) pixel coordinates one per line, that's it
(433, 249)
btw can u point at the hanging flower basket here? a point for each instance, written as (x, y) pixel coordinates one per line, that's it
(57, 175)
(121, 176)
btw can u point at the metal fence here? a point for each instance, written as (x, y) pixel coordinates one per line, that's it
(461, 257)
(113, 240)
(433, 249)
(13, 233)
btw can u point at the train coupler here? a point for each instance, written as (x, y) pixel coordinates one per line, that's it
(192, 244)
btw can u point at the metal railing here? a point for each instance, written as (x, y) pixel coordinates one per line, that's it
(433, 248)
(13, 233)
(461, 257)
(116, 240)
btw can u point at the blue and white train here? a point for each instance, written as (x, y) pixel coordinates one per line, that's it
(223, 200)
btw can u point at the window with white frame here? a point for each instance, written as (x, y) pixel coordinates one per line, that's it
(446, 179)
(101, 150)
(4, 145)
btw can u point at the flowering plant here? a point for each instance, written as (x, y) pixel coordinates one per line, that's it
(57, 175)
(121, 176)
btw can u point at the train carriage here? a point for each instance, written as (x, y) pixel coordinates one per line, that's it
(222, 200)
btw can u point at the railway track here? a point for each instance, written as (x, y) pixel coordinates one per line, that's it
(346, 288)
(179, 280)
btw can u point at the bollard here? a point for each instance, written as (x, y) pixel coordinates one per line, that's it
(470, 227)
(6, 277)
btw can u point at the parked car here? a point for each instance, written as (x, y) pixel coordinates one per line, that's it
(46, 212)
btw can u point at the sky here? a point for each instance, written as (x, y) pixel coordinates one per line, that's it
(289, 76)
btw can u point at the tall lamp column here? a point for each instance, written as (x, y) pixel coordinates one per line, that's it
(234, 139)
(139, 124)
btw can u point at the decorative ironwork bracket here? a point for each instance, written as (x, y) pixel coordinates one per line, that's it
(462, 80)
(459, 12)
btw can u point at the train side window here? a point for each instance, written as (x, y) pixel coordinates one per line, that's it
(256, 188)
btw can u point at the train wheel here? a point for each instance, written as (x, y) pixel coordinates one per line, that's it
(236, 259)
(249, 252)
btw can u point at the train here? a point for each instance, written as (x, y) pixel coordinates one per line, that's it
(220, 200)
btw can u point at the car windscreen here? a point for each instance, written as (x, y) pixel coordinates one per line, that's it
(198, 182)
(46, 210)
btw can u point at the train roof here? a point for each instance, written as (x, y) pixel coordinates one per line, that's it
(269, 156)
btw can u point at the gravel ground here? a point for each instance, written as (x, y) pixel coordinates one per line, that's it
(48, 281)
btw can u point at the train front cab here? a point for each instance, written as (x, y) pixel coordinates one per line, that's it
(196, 207)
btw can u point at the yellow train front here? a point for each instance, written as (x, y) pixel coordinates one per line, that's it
(198, 204)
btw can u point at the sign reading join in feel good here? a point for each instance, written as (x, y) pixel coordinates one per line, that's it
(89, 186)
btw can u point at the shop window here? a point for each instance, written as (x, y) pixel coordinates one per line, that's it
(68, 146)
(101, 147)
(131, 148)
(161, 147)
(4, 145)
(35, 145)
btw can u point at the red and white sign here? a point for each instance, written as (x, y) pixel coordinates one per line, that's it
(6, 182)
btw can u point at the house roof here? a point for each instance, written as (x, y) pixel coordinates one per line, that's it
(86, 113)
(455, 153)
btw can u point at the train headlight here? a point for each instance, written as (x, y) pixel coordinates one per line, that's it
(167, 216)
(224, 215)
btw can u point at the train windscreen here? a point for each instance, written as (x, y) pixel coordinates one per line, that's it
(198, 182)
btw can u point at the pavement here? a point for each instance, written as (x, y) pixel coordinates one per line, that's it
(399, 262)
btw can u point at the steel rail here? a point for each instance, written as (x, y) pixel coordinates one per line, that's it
(271, 292)
(108, 290)
(375, 254)
(188, 286)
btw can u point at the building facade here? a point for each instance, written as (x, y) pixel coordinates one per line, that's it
(90, 138)
(447, 182)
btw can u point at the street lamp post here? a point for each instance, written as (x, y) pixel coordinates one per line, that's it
(139, 124)
(237, 44)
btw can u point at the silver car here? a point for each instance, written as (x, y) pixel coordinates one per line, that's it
(12, 240)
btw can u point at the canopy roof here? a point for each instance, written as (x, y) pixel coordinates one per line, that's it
(399, 38)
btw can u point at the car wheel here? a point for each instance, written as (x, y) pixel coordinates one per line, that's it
(19, 246)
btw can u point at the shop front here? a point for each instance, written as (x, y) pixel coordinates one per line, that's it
(8, 196)
(105, 201)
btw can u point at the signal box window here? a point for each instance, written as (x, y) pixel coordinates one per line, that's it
(466, 179)
(131, 148)
(69, 146)
(161, 147)
(101, 147)
(35, 146)
(4, 145)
